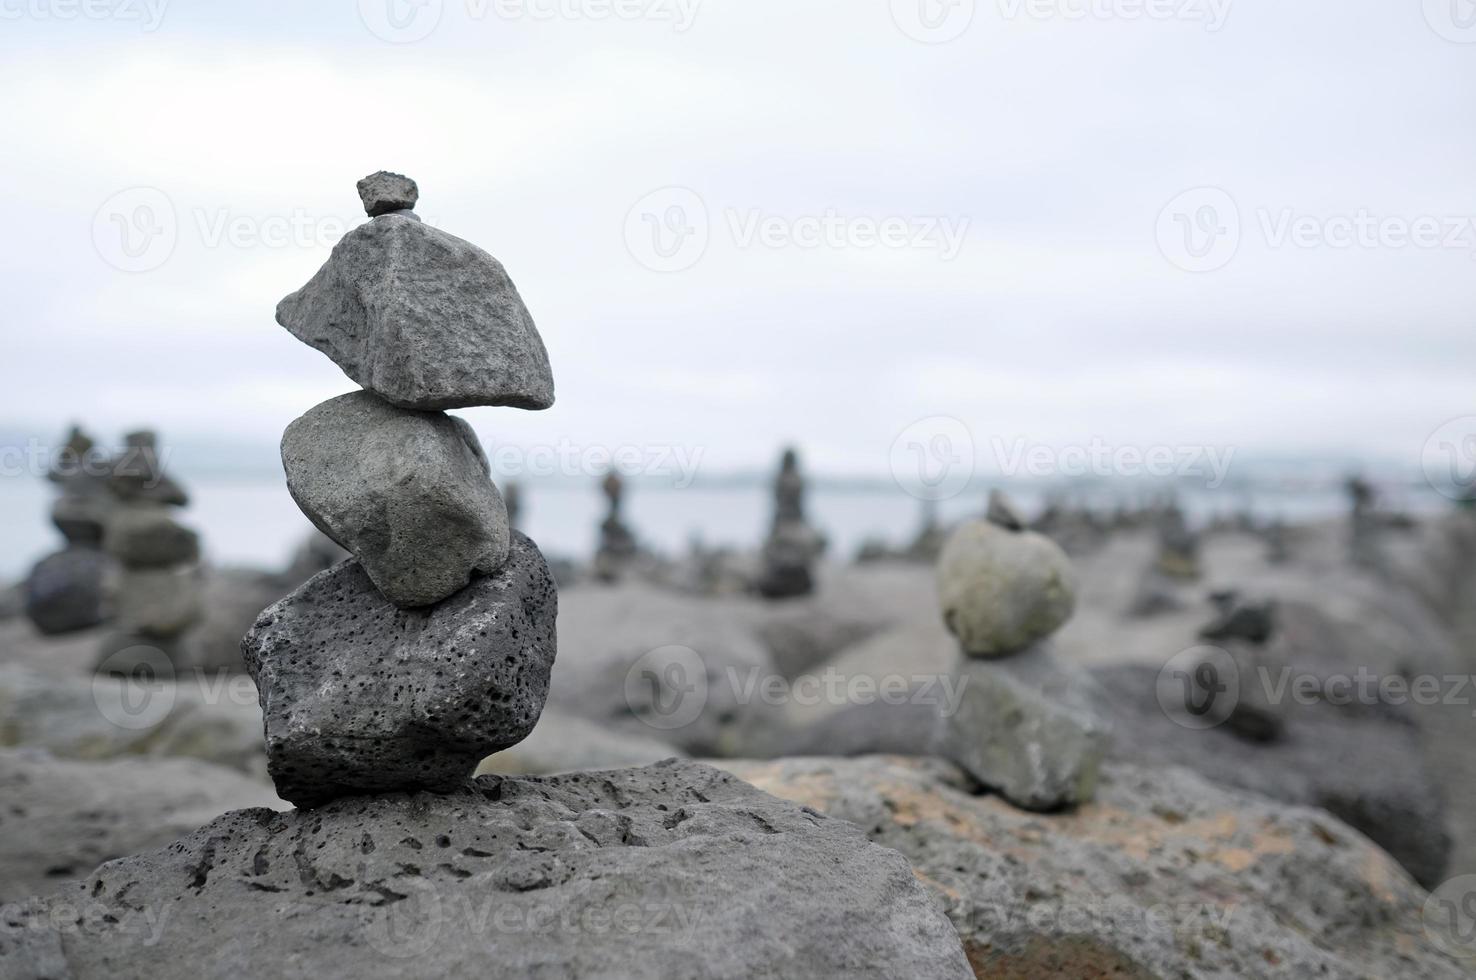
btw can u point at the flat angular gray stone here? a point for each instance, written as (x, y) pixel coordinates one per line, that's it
(407, 492)
(1002, 590)
(423, 319)
(675, 870)
(363, 697)
(144, 535)
(1026, 726)
(383, 192)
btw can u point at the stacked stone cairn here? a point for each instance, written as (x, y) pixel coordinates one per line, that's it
(71, 589)
(792, 545)
(430, 648)
(1364, 540)
(1025, 724)
(617, 547)
(161, 587)
(1178, 545)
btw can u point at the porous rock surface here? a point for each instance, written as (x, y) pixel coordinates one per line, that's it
(676, 870)
(1165, 876)
(423, 319)
(361, 696)
(407, 492)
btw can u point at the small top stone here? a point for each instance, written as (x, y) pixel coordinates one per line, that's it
(1002, 512)
(383, 192)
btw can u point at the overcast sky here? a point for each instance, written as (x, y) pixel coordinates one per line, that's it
(1016, 158)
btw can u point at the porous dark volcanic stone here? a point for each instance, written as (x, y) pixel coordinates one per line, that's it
(361, 696)
(407, 492)
(422, 319)
(674, 870)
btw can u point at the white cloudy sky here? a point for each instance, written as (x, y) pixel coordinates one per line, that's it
(1058, 141)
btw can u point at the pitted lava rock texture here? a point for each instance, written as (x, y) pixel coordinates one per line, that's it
(674, 870)
(361, 696)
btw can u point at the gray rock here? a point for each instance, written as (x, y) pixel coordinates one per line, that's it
(213, 719)
(676, 870)
(1363, 766)
(160, 602)
(1002, 512)
(423, 319)
(1002, 590)
(144, 535)
(82, 517)
(71, 590)
(407, 492)
(137, 473)
(652, 663)
(383, 192)
(364, 697)
(1028, 727)
(234, 598)
(562, 742)
(1167, 876)
(64, 818)
(317, 553)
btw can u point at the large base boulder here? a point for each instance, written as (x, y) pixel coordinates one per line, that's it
(677, 870)
(361, 696)
(1165, 875)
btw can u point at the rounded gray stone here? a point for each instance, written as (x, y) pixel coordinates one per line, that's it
(70, 590)
(1002, 590)
(423, 319)
(363, 697)
(407, 492)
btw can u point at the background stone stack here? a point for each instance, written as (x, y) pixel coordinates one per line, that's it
(793, 545)
(71, 589)
(161, 587)
(429, 649)
(1025, 724)
(617, 548)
